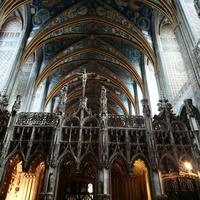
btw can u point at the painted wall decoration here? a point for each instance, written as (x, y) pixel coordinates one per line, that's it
(40, 17)
(9, 43)
(132, 10)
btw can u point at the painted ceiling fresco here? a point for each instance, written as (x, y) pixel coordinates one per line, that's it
(108, 38)
(137, 12)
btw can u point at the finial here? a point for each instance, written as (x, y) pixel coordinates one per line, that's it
(62, 100)
(103, 92)
(84, 80)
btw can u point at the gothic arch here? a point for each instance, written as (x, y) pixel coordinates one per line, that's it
(89, 157)
(160, 125)
(10, 165)
(34, 160)
(178, 125)
(168, 164)
(142, 157)
(66, 156)
(135, 33)
(134, 185)
(120, 161)
(70, 174)
(11, 155)
(117, 83)
(71, 121)
(91, 121)
(16, 176)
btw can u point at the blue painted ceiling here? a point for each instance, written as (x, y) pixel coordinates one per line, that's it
(102, 39)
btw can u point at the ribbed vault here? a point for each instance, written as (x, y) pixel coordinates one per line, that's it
(108, 38)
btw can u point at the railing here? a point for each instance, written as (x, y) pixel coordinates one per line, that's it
(127, 121)
(37, 118)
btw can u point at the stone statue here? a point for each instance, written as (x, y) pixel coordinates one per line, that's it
(190, 109)
(51, 182)
(16, 106)
(146, 109)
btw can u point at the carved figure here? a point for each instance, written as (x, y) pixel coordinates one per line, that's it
(3, 102)
(190, 109)
(51, 182)
(62, 101)
(16, 106)
(146, 109)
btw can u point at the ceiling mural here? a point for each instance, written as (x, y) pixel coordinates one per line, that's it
(107, 38)
(112, 53)
(137, 12)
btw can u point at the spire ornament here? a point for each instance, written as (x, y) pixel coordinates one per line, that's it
(166, 112)
(62, 100)
(103, 107)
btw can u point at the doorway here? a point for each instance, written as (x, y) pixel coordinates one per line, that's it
(79, 191)
(76, 184)
(133, 186)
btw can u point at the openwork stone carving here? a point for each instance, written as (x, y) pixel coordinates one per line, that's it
(126, 121)
(39, 118)
(103, 108)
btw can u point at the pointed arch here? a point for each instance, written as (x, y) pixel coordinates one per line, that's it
(132, 185)
(91, 121)
(121, 163)
(89, 157)
(34, 160)
(168, 164)
(142, 157)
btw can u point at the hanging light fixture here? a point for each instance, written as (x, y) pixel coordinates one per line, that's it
(188, 166)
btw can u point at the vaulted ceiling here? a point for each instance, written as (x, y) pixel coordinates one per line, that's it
(108, 38)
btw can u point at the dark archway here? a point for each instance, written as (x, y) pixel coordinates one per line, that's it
(130, 186)
(20, 185)
(74, 183)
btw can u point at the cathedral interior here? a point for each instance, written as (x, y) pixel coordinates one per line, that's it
(99, 99)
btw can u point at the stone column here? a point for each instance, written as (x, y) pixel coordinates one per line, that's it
(104, 173)
(130, 107)
(144, 78)
(137, 109)
(37, 102)
(51, 177)
(155, 177)
(9, 131)
(29, 89)
(48, 108)
(194, 124)
(104, 184)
